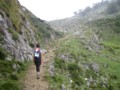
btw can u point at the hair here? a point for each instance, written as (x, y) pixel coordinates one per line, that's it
(37, 45)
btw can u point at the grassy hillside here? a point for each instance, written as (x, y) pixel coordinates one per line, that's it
(88, 60)
(19, 30)
(77, 68)
(109, 30)
(85, 62)
(10, 72)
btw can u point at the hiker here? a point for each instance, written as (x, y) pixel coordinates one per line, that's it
(37, 59)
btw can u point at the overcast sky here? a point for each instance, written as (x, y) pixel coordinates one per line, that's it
(55, 9)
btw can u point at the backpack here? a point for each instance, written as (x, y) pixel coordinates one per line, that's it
(37, 54)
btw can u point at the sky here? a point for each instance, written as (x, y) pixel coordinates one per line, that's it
(55, 9)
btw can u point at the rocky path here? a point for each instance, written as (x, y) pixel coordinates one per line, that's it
(31, 82)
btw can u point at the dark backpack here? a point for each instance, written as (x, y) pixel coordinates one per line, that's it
(37, 54)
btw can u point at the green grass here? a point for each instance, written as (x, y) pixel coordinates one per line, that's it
(11, 9)
(78, 55)
(1, 36)
(108, 58)
(10, 78)
(3, 54)
(15, 35)
(75, 61)
(112, 71)
(22, 73)
(8, 85)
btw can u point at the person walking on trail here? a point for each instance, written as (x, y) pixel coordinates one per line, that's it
(37, 59)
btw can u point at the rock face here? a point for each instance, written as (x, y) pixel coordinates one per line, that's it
(20, 48)
(20, 30)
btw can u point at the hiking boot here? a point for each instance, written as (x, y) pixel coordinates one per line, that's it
(38, 77)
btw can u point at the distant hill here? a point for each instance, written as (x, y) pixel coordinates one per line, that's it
(99, 10)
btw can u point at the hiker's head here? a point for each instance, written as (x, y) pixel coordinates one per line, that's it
(37, 45)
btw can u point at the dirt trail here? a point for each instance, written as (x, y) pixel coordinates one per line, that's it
(31, 82)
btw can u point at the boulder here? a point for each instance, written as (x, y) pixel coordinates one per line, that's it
(95, 67)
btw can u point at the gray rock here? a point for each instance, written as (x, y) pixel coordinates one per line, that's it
(88, 83)
(51, 70)
(63, 87)
(86, 66)
(15, 67)
(1, 18)
(19, 49)
(64, 57)
(95, 67)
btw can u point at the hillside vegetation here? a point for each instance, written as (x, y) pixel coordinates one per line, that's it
(44, 32)
(78, 66)
(89, 58)
(20, 30)
(86, 58)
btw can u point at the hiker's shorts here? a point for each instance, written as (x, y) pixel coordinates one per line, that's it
(37, 64)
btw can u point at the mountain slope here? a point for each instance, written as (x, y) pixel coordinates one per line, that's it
(89, 58)
(20, 30)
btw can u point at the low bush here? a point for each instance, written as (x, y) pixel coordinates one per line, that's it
(14, 77)
(3, 54)
(59, 63)
(15, 35)
(8, 85)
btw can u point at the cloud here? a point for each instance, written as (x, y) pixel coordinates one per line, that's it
(55, 9)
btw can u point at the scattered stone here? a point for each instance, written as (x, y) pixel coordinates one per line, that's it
(88, 83)
(95, 67)
(1, 18)
(86, 79)
(105, 65)
(51, 70)
(15, 67)
(86, 66)
(71, 81)
(63, 87)
(64, 57)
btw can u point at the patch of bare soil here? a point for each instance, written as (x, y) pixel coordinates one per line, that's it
(31, 82)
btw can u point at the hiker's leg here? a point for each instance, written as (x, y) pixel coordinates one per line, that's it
(38, 66)
(38, 70)
(35, 62)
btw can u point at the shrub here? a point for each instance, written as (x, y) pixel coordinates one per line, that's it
(1, 38)
(73, 67)
(3, 54)
(8, 85)
(1, 31)
(22, 66)
(13, 77)
(6, 66)
(57, 79)
(59, 63)
(31, 45)
(15, 35)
